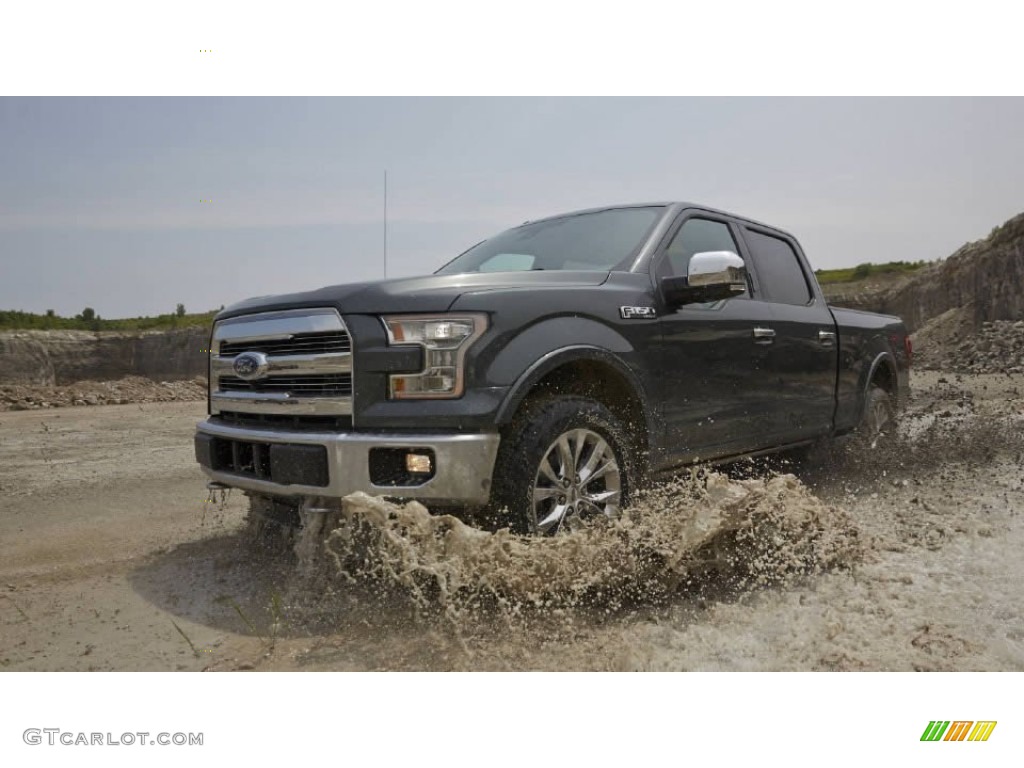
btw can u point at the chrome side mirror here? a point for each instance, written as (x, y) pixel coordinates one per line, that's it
(723, 269)
(711, 276)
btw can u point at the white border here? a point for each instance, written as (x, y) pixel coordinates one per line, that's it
(538, 47)
(453, 720)
(527, 47)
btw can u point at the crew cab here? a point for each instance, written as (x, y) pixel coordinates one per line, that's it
(547, 371)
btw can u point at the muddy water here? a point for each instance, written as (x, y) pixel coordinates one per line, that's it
(897, 556)
(681, 536)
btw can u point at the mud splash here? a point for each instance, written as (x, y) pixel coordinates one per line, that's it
(704, 530)
(708, 544)
(946, 424)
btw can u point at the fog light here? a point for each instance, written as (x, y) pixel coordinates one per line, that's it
(418, 464)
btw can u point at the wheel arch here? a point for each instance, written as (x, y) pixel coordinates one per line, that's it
(588, 371)
(883, 373)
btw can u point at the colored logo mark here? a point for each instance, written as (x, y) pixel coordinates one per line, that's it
(958, 730)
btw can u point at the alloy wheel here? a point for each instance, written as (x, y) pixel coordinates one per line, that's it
(578, 478)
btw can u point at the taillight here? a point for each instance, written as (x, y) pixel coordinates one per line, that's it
(908, 347)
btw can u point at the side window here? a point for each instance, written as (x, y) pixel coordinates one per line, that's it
(695, 236)
(778, 269)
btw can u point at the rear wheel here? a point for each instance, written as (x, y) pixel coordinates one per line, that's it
(879, 416)
(563, 462)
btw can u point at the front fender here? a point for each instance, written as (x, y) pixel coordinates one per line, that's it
(557, 358)
(550, 344)
(552, 335)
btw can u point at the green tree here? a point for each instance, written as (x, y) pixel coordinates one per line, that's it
(180, 310)
(88, 315)
(861, 271)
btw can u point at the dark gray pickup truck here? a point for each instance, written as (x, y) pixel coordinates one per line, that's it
(545, 372)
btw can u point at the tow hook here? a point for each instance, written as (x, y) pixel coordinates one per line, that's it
(217, 493)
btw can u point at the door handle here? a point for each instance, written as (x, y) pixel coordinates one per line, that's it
(763, 335)
(827, 338)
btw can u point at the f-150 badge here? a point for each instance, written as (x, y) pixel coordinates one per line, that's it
(637, 313)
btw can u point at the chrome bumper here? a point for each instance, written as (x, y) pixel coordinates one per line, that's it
(464, 463)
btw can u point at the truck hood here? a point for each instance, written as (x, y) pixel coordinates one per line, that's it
(431, 293)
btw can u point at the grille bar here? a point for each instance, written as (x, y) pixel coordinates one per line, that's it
(337, 384)
(292, 365)
(276, 420)
(300, 344)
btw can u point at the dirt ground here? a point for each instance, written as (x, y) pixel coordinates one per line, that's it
(112, 558)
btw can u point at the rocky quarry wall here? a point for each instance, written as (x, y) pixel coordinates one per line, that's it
(966, 312)
(984, 278)
(53, 358)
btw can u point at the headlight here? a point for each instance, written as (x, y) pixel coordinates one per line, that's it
(445, 339)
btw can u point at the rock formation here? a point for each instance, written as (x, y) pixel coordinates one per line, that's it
(985, 277)
(51, 358)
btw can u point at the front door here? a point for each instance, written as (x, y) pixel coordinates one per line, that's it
(716, 386)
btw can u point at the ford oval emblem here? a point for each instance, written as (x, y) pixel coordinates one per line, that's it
(251, 365)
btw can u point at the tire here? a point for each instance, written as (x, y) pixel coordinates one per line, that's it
(879, 421)
(267, 528)
(535, 492)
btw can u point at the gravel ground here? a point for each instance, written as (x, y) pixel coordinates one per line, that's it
(126, 391)
(947, 343)
(111, 557)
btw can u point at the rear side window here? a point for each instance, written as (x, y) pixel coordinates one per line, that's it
(781, 278)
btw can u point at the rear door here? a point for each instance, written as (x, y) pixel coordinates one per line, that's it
(715, 381)
(804, 348)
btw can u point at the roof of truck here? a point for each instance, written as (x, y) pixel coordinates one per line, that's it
(678, 204)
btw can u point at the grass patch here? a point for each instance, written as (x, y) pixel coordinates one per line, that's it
(16, 320)
(864, 271)
(187, 640)
(241, 614)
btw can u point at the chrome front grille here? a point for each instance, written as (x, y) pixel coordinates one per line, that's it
(306, 364)
(300, 344)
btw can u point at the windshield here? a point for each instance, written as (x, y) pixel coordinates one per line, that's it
(598, 241)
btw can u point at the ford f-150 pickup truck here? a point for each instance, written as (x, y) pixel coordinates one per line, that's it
(546, 372)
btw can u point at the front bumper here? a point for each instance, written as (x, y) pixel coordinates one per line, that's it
(464, 463)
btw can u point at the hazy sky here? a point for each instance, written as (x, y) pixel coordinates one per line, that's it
(100, 198)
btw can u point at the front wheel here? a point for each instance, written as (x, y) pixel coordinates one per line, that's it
(564, 461)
